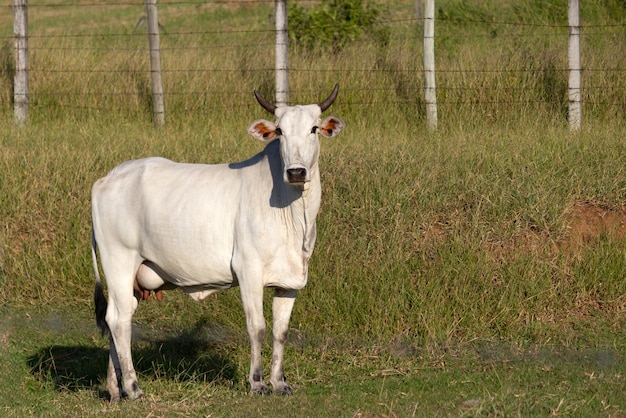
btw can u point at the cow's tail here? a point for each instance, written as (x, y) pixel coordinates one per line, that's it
(99, 299)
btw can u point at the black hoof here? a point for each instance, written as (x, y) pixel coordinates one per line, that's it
(260, 391)
(285, 390)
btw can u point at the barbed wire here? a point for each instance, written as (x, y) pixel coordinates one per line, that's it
(140, 34)
(59, 93)
(332, 71)
(160, 3)
(271, 32)
(370, 104)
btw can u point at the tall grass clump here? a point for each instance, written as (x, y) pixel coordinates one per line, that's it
(7, 72)
(454, 238)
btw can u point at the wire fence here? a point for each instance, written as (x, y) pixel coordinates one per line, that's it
(102, 59)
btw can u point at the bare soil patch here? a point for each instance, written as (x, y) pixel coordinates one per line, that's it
(584, 223)
(588, 221)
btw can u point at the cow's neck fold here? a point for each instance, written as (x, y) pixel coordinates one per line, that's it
(311, 206)
(303, 210)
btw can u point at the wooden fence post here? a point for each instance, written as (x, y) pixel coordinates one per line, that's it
(574, 83)
(155, 63)
(20, 81)
(282, 54)
(430, 91)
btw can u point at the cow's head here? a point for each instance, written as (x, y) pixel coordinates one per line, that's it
(297, 127)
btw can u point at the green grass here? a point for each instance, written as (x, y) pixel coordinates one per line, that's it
(447, 278)
(199, 371)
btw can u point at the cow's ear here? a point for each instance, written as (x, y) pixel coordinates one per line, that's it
(263, 130)
(331, 126)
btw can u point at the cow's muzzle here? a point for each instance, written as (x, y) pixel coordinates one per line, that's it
(297, 175)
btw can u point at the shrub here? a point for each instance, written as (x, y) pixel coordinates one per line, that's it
(334, 24)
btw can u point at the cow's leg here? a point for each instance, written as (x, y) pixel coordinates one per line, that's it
(120, 276)
(114, 373)
(119, 316)
(252, 298)
(281, 312)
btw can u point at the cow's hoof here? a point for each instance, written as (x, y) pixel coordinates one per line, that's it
(136, 395)
(261, 390)
(285, 390)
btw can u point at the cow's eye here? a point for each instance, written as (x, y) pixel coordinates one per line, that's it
(278, 132)
(314, 129)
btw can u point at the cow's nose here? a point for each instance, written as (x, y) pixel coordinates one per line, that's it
(296, 175)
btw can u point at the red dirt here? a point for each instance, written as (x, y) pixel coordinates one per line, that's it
(588, 221)
(585, 223)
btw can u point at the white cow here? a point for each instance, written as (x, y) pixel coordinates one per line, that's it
(159, 224)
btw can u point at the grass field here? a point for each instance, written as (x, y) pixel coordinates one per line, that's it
(474, 271)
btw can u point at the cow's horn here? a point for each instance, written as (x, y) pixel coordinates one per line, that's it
(270, 107)
(330, 99)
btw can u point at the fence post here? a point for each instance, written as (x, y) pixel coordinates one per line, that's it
(574, 85)
(20, 81)
(282, 54)
(430, 92)
(155, 63)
